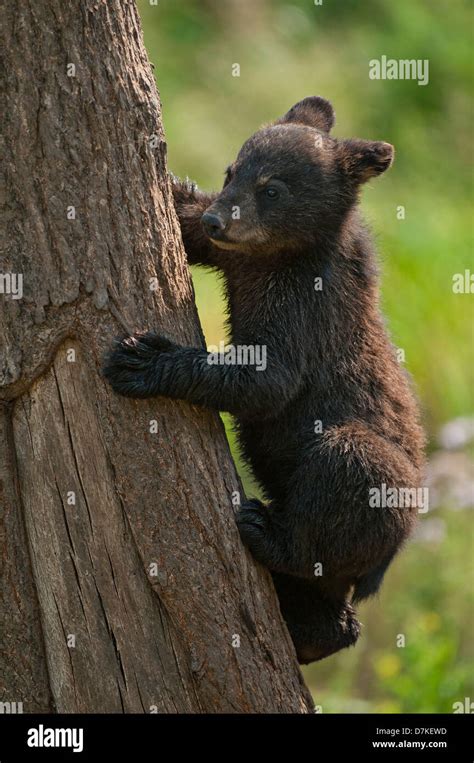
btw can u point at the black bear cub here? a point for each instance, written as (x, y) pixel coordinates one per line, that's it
(329, 422)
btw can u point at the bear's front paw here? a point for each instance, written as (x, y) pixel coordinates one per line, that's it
(252, 521)
(184, 191)
(134, 366)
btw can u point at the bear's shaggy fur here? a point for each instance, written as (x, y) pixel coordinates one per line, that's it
(332, 415)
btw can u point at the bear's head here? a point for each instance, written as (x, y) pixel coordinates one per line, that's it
(292, 184)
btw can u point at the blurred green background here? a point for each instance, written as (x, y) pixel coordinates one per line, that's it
(288, 49)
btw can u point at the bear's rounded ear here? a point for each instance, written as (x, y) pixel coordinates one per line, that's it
(313, 111)
(365, 159)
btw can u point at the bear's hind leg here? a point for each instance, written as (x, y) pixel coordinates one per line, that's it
(319, 625)
(315, 642)
(266, 532)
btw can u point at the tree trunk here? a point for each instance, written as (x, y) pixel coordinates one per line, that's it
(125, 587)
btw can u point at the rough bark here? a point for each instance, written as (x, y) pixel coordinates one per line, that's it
(124, 582)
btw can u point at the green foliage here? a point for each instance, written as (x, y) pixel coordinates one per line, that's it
(287, 50)
(290, 49)
(428, 600)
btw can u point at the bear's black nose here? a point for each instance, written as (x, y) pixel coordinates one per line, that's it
(213, 225)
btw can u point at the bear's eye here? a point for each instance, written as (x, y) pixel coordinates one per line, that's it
(271, 192)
